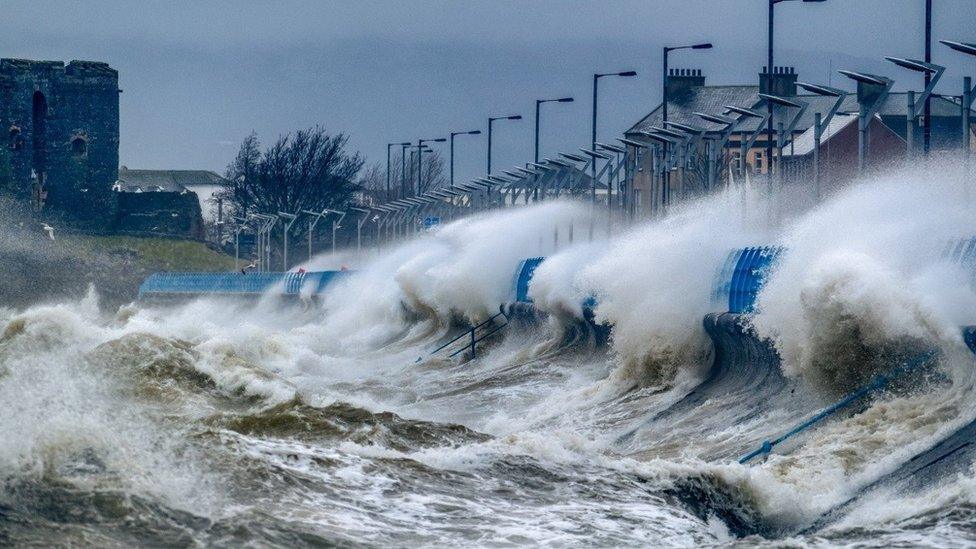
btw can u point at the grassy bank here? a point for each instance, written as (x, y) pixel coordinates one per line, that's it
(35, 269)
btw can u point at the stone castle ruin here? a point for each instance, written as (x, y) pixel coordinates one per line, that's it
(62, 123)
(61, 154)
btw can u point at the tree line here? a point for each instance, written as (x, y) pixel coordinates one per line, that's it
(313, 169)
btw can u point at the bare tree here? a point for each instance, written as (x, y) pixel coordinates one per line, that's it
(372, 184)
(307, 170)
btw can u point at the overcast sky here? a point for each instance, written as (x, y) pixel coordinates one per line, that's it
(200, 75)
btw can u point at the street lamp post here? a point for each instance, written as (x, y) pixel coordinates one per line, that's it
(472, 132)
(538, 105)
(491, 120)
(769, 75)
(289, 220)
(596, 79)
(403, 168)
(664, 104)
(420, 156)
(388, 145)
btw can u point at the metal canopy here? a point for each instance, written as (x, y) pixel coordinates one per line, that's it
(960, 46)
(666, 132)
(687, 128)
(632, 143)
(595, 154)
(779, 100)
(915, 65)
(821, 90)
(744, 111)
(715, 118)
(612, 148)
(574, 157)
(865, 77)
(660, 138)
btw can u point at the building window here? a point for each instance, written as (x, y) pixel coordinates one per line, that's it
(79, 146)
(16, 142)
(758, 163)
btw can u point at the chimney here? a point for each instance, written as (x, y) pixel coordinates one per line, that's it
(680, 80)
(782, 82)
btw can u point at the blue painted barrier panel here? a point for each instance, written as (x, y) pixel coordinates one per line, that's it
(747, 269)
(752, 268)
(236, 283)
(524, 276)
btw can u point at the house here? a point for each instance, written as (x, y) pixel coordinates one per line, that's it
(838, 158)
(203, 183)
(174, 203)
(688, 94)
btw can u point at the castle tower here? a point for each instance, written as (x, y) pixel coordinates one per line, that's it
(61, 141)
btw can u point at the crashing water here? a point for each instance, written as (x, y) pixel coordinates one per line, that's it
(219, 423)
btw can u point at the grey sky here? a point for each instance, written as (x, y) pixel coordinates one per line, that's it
(198, 76)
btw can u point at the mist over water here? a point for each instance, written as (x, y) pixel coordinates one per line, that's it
(225, 423)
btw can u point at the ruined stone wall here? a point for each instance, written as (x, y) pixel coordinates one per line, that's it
(169, 214)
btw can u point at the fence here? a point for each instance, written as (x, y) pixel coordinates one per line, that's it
(192, 284)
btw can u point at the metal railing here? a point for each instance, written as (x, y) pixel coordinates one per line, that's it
(471, 337)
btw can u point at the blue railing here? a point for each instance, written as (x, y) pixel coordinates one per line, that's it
(877, 383)
(190, 284)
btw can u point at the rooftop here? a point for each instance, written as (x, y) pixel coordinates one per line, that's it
(713, 99)
(166, 180)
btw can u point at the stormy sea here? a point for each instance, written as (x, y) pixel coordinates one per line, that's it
(612, 412)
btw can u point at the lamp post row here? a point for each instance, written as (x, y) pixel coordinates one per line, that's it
(931, 74)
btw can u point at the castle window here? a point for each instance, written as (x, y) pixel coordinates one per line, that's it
(16, 142)
(79, 147)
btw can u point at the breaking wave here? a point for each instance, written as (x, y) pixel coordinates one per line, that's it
(263, 423)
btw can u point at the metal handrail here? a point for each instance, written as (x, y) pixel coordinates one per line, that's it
(877, 383)
(475, 341)
(467, 332)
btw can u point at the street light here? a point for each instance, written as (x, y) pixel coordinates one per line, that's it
(769, 75)
(664, 81)
(491, 120)
(420, 156)
(664, 103)
(403, 168)
(472, 132)
(388, 145)
(968, 91)
(538, 105)
(596, 89)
